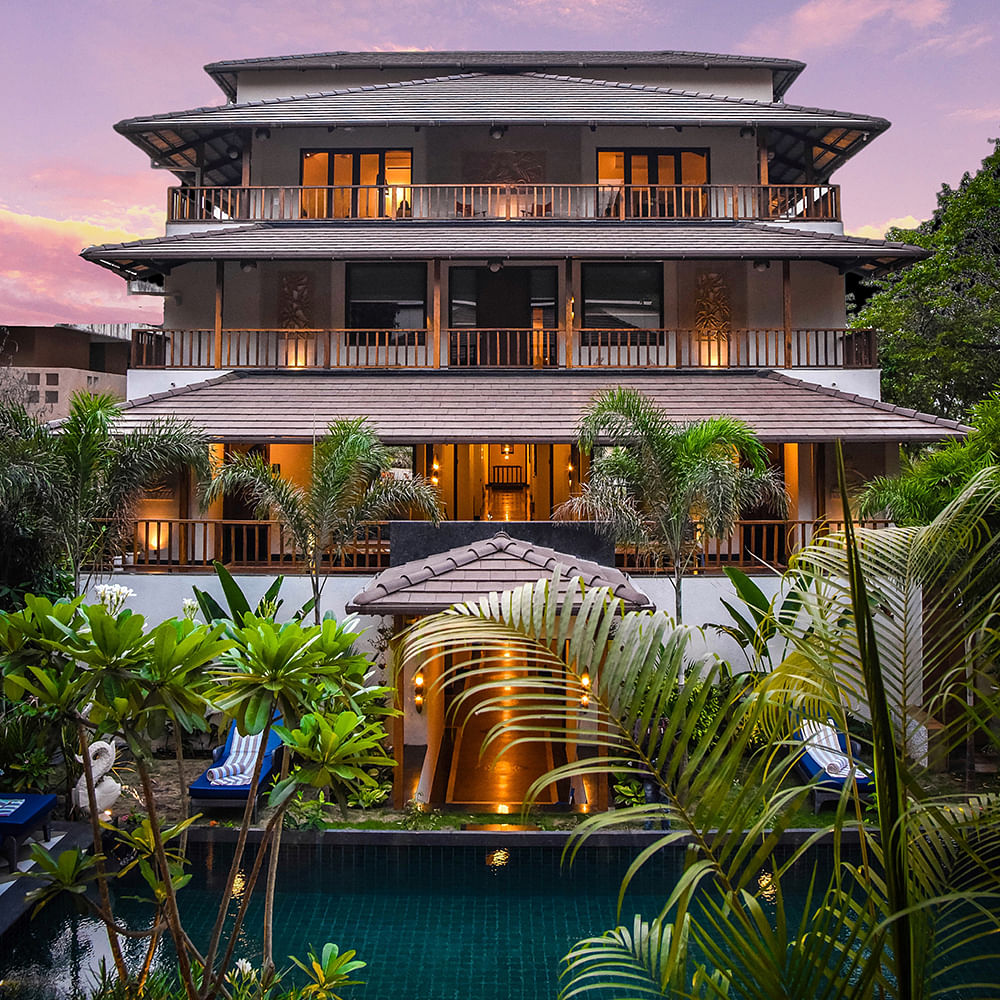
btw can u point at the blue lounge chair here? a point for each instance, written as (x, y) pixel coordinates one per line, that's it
(226, 784)
(823, 759)
(20, 816)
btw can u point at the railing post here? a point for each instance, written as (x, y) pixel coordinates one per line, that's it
(568, 320)
(220, 268)
(786, 309)
(436, 314)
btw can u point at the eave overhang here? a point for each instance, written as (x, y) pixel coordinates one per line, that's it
(503, 240)
(533, 407)
(508, 100)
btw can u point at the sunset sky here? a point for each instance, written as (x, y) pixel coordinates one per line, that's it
(71, 70)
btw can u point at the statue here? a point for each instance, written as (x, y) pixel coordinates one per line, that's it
(106, 789)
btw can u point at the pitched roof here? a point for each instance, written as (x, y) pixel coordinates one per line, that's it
(468, 572)
(784, 71)
(526, 98)
(473, 406)
(355, 239)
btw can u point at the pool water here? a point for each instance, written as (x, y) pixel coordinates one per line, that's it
(433, 923)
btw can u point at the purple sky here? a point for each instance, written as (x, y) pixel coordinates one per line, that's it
(70, 70)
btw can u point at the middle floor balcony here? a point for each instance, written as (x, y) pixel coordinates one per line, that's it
(504, 347)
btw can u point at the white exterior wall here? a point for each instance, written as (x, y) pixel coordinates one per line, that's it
(160, 596)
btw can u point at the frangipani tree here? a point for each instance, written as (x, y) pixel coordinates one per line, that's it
(662, 483)
(351, 483)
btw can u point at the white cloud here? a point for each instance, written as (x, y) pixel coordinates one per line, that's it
(987, 113)
(877, 231)
(955, 43)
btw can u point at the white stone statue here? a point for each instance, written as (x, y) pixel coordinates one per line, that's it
(106, 789)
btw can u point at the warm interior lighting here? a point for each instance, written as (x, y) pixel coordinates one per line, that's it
(503, 808)
(507, 450)
(418, 690)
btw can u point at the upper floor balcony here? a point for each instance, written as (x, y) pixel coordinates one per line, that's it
(441, 202)
(473, 348)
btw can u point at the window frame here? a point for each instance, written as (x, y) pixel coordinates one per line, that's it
(356, 152)
(634, 336)
(360, 338)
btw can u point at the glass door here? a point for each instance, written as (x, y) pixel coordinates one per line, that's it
(356, 184)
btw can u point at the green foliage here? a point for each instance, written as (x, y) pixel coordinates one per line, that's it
(931, 480)
(329, 971)
(71, 872)
(110, 674)
(25, 749)
(238, 604)
(72, 492)
(940, 318)
(351, 484)
(307, 814)
(892, 925)
(662, 484)
(368, 796)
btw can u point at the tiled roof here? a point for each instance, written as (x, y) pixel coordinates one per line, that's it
(510, 98)
(471, 571)
(520, 239)
(784, 70)
(474, 406)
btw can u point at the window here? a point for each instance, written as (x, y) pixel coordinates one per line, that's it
(382, 297)
(622, 297)
(653, 183)
(367, 183)
(528, 292)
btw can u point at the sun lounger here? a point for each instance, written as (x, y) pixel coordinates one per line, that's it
(823, 759)
(226, 784)
(20, 816)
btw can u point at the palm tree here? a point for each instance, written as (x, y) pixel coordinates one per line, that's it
(351, 484)
(663, 484)
(898, 924)
(77, 482)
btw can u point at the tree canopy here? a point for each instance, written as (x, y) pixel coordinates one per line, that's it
(940, 318)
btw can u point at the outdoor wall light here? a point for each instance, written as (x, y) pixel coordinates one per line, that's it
(495, 266)
(246, 266)
(232, 152)
(418, 690)
(585, 682)
(747, 131)
(506, 450)
(497, 131)
(761, 265)
(262, 133)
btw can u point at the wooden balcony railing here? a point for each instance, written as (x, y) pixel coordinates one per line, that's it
(772, 347)
(773, 202)
(753, 545)
(192, 544)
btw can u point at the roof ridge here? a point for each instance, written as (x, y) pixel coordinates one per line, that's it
(853, 397)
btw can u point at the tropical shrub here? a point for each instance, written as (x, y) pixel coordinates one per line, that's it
(111, 676)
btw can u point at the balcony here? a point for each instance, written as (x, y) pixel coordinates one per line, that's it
(162, 545)
(333, 349)
(438, 202)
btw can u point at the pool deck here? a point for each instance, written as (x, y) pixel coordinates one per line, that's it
(13, 905)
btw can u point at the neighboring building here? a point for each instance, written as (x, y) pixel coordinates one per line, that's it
(56, 361)
(466, 247)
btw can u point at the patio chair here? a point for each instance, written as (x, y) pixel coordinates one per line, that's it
(226, 784)
(20, 816)
(823, 759)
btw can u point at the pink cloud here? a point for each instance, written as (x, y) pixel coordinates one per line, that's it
(43, 280)
(820, 24)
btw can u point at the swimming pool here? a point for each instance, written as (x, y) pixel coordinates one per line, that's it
(488, 920)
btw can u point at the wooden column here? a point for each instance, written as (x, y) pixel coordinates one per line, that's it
(786, 309)
(398, 746)
(762, 156)
(220, 274)
(436, 313)
(567, 333)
